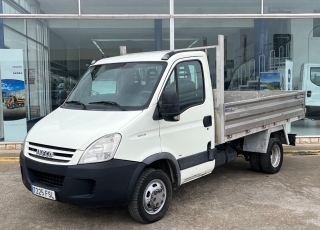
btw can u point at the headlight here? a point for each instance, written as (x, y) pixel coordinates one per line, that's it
(102, 149)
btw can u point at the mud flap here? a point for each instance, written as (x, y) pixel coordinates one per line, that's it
(292, 139)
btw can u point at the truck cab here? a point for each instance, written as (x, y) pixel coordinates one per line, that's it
(92, 149)
(310, 82)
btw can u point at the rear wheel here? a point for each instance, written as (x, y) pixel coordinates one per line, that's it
(151, 197)
(254, 159)
(271, 161)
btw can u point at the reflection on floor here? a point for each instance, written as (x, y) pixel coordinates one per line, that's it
(306, 127)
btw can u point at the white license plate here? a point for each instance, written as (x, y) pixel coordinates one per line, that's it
(49, 194)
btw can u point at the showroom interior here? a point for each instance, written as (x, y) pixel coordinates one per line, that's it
(60, 38)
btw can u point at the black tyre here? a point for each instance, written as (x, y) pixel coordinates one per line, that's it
(271, 162)
(151, 197)
(254, 159)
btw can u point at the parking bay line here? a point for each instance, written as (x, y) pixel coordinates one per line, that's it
(9, 159)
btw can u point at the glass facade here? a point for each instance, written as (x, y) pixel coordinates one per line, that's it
(291, 6)
(255, 47)
(56, 51)
(125, 7)
(40, 6)
(28, 35)
(217, 7)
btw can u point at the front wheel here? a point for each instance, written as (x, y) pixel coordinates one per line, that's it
(151, 197)
(271, 161)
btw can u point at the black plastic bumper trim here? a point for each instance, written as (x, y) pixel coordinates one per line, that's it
(195, 159)
(101, 184)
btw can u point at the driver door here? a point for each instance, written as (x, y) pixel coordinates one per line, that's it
(188, 139)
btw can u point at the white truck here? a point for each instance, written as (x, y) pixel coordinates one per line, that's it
(310, 82)
(120, 140)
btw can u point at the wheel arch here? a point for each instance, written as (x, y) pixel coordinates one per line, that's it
(281, 135)
(164, 161)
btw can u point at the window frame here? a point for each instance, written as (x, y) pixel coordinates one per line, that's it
(177, 82)
(301, 72)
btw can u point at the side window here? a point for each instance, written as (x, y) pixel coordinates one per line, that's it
(171, 83)
(315, 75)
(190, 84)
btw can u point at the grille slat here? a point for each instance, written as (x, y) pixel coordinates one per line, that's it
(57, 155)
(48, 159)
(49, 179)
(50, 153)
(52, 147)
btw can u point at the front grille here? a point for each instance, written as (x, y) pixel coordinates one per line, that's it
(51, 159)
(52, 147)
(50, 153)
(49, 179)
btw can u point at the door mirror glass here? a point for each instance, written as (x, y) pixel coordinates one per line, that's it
(169, 106)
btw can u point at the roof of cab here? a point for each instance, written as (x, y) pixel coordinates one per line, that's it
(137, 57)
(146, 56)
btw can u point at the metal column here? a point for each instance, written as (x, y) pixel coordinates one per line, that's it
(1, 47)
(219, 92)
(261, 44)
(1, 28)
(157, 34)
(171, 24)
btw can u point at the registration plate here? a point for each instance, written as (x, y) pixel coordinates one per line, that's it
(49, 194)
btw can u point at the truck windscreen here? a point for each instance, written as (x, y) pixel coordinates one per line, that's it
(119, 86)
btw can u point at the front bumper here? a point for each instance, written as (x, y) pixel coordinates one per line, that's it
(101, 184)
(313, 109)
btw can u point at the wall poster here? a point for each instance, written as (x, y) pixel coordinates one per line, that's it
(13, 94)
(270, 81)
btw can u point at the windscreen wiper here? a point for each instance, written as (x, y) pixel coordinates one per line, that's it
(108, 103)
(77, 102)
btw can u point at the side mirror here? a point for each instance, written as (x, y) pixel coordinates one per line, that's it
(169, 106)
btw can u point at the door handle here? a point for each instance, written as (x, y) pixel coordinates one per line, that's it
(309, 93)
(207, 121)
